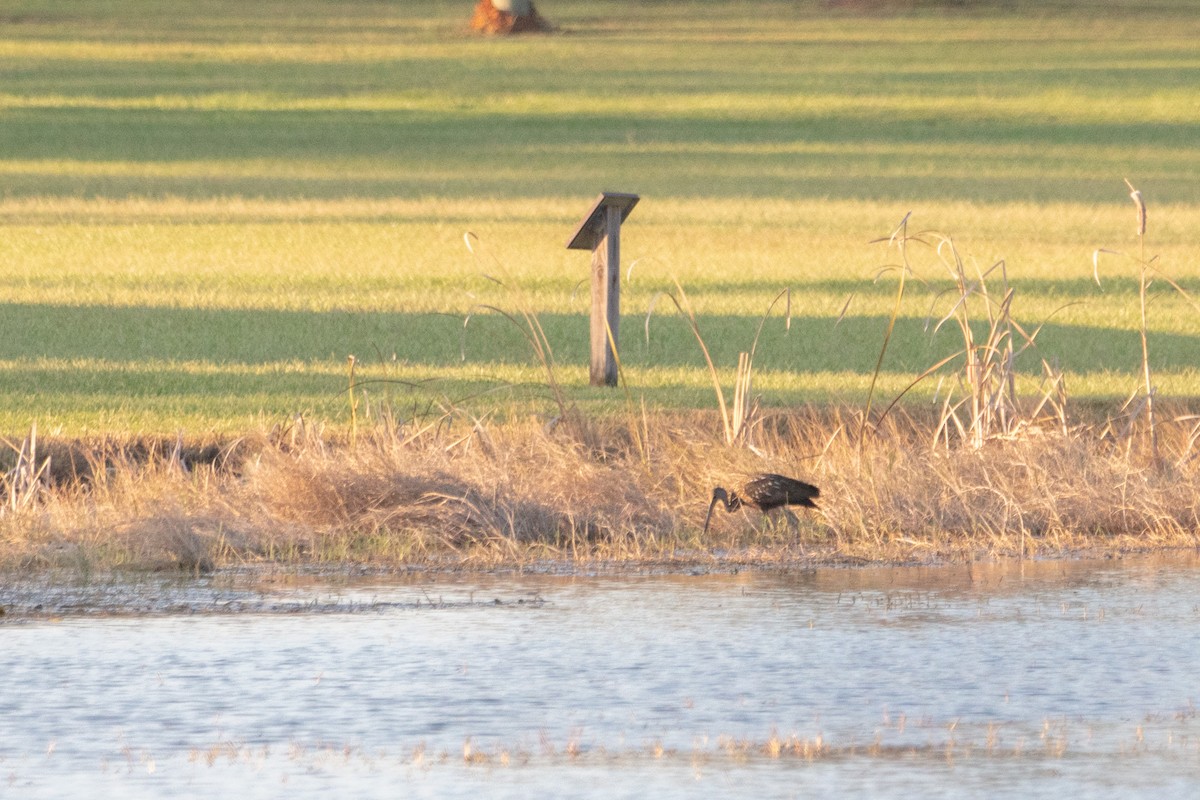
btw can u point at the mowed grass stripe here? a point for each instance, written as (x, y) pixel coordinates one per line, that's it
(1079, 105)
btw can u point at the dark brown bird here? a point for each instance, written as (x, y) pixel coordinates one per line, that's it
(764, 492)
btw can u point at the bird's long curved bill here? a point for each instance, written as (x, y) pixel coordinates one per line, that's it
(708, 518)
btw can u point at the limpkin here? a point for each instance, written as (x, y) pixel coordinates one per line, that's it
(764, 492)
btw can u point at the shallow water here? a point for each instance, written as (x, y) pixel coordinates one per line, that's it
(1070, 677)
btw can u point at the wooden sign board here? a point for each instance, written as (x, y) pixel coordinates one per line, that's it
(600, 232)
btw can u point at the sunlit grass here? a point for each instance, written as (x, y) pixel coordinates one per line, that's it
(143, 308)
(204, 212)
(1081, 105)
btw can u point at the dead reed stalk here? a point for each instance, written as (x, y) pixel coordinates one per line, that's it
(1147, 270)
(986, 404)
(25, 480)
(737, 423)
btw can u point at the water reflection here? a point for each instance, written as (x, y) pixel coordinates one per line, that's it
(982, 679)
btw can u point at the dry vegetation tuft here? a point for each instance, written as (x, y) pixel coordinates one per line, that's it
(585, 490)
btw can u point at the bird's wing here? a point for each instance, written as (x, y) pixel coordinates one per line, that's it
(781, 490)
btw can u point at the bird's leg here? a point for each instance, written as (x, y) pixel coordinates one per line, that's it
(794, 524)
(766, 523)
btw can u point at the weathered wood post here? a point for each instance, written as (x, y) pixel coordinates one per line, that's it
(600, 232)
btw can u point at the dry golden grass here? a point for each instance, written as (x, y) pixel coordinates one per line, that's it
(630, 491)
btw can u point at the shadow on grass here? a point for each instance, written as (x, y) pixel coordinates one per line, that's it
(390, 153)
(280, 340)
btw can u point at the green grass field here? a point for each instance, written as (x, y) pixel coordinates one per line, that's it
(205, 208)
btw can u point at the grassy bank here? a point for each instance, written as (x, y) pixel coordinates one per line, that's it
(204, 212)
(457, 493)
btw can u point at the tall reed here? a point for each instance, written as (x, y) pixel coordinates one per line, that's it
(1147, 271)
(26, 479)
(737, 422)
(524, 319)
(987, 404)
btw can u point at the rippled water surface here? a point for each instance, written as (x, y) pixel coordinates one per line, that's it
(1071, 677)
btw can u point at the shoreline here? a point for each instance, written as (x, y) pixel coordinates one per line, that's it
(275, 589)
(619, 492)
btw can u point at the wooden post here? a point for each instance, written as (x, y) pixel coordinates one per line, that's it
(600, 232)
